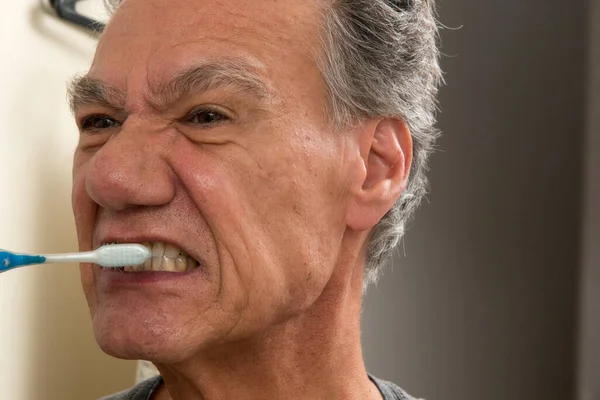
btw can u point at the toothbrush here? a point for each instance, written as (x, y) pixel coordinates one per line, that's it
(108, 256)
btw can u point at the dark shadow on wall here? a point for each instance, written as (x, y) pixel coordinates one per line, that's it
(484, 305)
(589, 343)
(42, 20)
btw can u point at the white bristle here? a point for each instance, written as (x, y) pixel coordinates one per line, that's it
(121, 255)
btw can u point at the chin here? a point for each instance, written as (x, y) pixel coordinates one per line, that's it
(141, 335)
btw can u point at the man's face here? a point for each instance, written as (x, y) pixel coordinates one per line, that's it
(202, 127)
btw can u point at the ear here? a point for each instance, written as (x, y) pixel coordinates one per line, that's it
(386, 154)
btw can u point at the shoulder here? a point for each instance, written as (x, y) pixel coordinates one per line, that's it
(390, 391)
(142, 391)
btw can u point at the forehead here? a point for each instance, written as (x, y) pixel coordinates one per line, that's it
(157, 38)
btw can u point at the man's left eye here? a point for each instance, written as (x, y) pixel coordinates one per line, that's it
(206, 117)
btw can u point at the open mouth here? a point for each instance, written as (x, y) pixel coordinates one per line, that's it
(165, 258)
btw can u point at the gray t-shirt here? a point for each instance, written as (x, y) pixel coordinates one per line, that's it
(145, 389)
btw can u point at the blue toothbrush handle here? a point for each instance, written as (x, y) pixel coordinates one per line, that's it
(9, 260)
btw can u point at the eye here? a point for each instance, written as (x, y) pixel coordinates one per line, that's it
(98, 122)
(205, 117)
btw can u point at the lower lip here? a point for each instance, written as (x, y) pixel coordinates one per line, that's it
(116, 278)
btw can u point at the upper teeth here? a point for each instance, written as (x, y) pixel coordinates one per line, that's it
(165, 257)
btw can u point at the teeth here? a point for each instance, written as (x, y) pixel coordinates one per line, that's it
(180, 263)
(171, 251)
(168, 264)
(165, 257)
(147, 266)
(138, 267)
(158, 251)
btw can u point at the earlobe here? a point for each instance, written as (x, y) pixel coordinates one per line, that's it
(386, 149)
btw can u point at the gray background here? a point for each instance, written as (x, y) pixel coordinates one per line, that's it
(485, 304)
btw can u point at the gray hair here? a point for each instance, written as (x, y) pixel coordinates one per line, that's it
(379, 58)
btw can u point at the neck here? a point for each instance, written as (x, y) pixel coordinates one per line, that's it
(316, 355)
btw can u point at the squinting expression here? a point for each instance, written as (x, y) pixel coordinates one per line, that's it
(202, 127)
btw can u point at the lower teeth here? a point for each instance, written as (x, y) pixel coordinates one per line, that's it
(188, 265)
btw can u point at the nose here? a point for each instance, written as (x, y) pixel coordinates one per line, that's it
(130, 170)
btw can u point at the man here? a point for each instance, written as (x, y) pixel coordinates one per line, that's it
(269, 153)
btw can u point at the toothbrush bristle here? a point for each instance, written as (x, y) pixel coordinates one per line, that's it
(121, 255)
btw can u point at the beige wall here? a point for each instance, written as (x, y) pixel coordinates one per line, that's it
(47, 350)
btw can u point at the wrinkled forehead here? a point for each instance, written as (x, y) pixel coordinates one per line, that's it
(168, 35)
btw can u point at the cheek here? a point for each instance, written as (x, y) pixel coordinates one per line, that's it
(87, 282)
(270, 209)
(84, 209)
(303, 190)
(292, 200)
(306, 208)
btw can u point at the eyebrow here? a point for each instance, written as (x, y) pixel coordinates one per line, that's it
(87, 91)
(210, 76)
